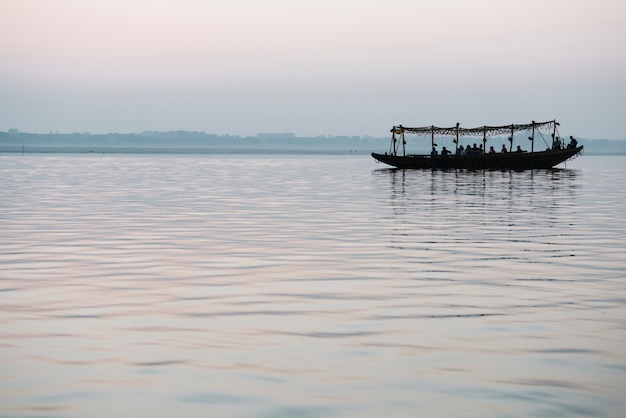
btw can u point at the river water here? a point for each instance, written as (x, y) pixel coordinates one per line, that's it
(309, 286)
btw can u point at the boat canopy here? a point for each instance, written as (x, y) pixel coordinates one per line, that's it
(484, 131)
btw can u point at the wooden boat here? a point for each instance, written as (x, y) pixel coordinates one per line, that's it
(478, 160)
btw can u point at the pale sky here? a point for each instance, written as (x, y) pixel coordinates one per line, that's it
(311, 67)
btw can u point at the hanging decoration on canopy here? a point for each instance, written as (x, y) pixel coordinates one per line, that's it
(485, 131)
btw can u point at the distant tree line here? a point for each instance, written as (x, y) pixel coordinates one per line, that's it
(14, 141)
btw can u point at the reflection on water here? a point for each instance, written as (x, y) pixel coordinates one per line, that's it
(309, 286)
(487, 216)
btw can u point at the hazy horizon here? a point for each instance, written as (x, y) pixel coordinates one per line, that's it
(313, 68)
(272, 135)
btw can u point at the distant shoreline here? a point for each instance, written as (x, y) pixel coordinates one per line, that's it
(60, 149)
(185, 142)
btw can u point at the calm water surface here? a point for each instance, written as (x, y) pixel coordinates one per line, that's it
(309, 286)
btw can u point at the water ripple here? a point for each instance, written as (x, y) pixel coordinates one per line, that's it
(154, 285)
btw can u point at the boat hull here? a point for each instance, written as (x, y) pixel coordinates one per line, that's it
(498, 161)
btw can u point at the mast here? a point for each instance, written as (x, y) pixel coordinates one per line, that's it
(553, 134)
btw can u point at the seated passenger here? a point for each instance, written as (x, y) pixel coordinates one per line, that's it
(572, 143)
(491, 150)
(503, 150)
(557, 143)
(519, 149)
(445, 152)
(434, 152)
(475, 150)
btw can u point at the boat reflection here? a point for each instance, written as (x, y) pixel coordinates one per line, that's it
(464, 208)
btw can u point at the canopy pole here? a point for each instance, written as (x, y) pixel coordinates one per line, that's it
(432, 136)
(532, 139)
(485, 139)
(457, 138)
(553, 134)
(511, 139)
(403, 144)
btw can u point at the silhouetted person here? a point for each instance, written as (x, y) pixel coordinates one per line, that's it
(572, 142)
(434, 153)
(445, 152)
(504, 150)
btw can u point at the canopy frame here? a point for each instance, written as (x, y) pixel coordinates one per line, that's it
(484, 131)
